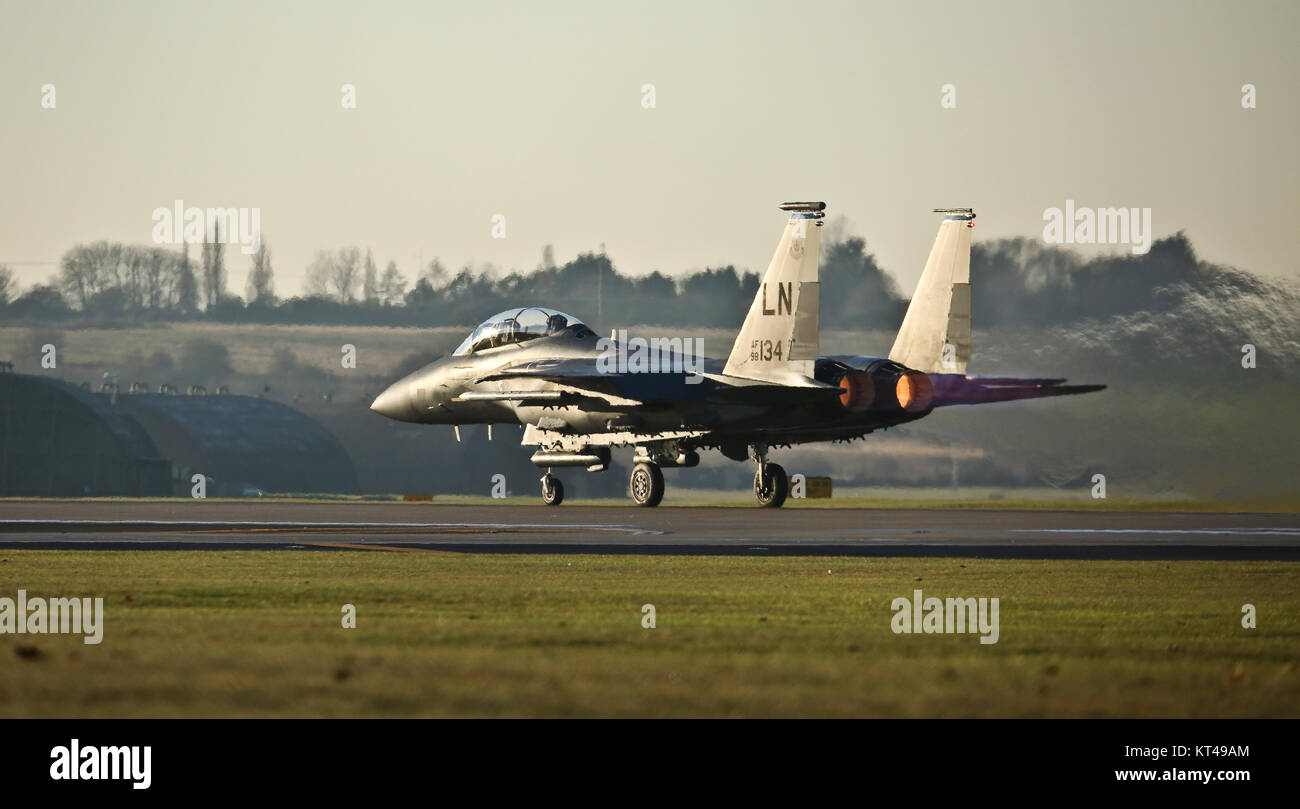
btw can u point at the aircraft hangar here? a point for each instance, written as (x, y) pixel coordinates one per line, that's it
(60, 440)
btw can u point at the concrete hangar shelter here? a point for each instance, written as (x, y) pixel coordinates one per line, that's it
(60, 440)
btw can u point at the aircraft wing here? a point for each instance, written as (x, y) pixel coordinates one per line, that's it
(555, 370)
(582, 377)
(953, 389)
(586, 374)
(564, 395)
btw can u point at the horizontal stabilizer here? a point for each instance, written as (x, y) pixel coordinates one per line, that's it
(1002, 381)
(953, 389)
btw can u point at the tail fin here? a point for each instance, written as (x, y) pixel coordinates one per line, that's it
(935, 336)
(779, 340)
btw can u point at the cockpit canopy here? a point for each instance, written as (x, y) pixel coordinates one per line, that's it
(516, 326)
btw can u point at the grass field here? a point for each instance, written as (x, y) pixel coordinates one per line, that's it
(254, 633)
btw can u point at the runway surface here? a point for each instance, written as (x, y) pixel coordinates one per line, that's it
(266, 525)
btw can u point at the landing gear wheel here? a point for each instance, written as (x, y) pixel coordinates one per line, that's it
(771, 485)
(646, 484)
(552, 490)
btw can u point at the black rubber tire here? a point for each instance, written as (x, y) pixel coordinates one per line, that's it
(777, 489)
(553, 495)
(646, 485)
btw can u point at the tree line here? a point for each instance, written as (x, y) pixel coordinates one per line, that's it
(1016, 281)
(127, 283)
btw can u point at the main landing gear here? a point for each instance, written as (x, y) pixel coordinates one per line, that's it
(646, 485)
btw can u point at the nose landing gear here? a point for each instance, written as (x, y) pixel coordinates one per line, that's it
(552, 489)
(771, 485)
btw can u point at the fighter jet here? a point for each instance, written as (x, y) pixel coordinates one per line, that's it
(579, 395)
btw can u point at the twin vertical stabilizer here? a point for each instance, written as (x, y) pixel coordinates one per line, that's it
(779, 340)
(935, 336)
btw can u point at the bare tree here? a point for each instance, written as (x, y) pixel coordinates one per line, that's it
(370, 286)
(8, 284)
(435, 274)
(159, 280)
(214, 268)
(392, 286)
(80, 276)
(335, 274)
(260, 287)
(187, 286)
(205, 271)
(347, 274)
(319, 272)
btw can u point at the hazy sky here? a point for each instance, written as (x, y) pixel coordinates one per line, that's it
(534, 111)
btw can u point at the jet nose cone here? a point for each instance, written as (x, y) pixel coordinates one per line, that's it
(393, 403)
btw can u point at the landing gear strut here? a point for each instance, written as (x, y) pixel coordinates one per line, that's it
(771, 486)
(552, 489)
(646, 484)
